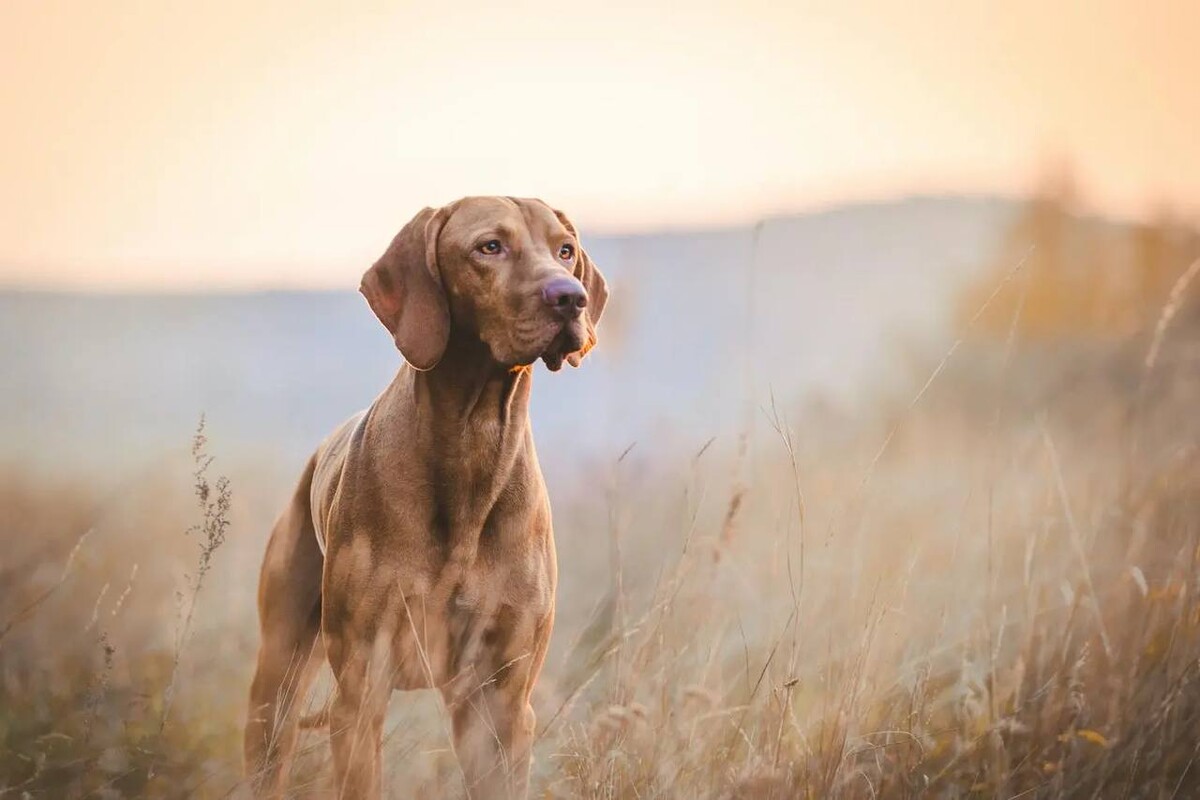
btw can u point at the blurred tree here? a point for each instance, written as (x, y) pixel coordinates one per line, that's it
(1083, 276)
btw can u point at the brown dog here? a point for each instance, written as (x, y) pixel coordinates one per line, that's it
(418, 543)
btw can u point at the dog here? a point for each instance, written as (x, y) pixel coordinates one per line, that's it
(417, 551)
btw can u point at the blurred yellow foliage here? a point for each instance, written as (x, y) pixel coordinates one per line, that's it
(1081, 275)
(1095, 737)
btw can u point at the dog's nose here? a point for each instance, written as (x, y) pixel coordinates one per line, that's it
(566, 296)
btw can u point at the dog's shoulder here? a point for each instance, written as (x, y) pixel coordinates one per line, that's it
(329, 464)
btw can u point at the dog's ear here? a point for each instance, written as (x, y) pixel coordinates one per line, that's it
(593, 281)
(404, 289)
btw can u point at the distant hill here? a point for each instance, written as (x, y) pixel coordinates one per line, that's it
(701, 323)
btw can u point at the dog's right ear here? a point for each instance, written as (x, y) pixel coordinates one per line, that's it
(593, 282)
(404, 289)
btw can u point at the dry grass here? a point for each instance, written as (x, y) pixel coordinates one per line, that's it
(1008, 607)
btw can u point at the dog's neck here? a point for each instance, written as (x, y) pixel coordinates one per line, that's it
(471, 416)
(468, 386)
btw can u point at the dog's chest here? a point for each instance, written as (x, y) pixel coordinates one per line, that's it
(468, 626)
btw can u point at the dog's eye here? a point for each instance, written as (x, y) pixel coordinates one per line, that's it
(491, 247)
(566, 252)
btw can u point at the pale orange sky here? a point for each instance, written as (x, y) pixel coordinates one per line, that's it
(182, 144)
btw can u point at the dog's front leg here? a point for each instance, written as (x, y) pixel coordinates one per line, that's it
(494, 722)
(363, 670)
(493, 734)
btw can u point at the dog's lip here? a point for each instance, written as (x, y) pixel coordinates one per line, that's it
(567, 340)
(574, 343)
(534, 339)
(551, 340)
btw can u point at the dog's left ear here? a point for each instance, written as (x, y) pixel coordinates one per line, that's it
(593, 281)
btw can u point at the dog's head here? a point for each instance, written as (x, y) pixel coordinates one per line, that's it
(509, 271)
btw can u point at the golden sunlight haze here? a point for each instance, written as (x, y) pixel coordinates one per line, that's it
(272, 144)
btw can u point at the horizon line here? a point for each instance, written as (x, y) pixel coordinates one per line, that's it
(1082, 211)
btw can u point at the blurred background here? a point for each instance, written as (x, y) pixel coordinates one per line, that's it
(903, 339)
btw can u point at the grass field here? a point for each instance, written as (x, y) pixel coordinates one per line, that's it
(983, 584)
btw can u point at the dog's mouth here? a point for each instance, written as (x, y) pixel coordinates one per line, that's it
(552, 341)
(568, 340)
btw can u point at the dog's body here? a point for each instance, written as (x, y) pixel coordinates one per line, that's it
(417, 549)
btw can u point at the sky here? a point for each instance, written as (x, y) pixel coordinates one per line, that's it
(181, 145)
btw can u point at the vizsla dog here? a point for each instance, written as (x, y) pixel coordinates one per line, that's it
(417, 550)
